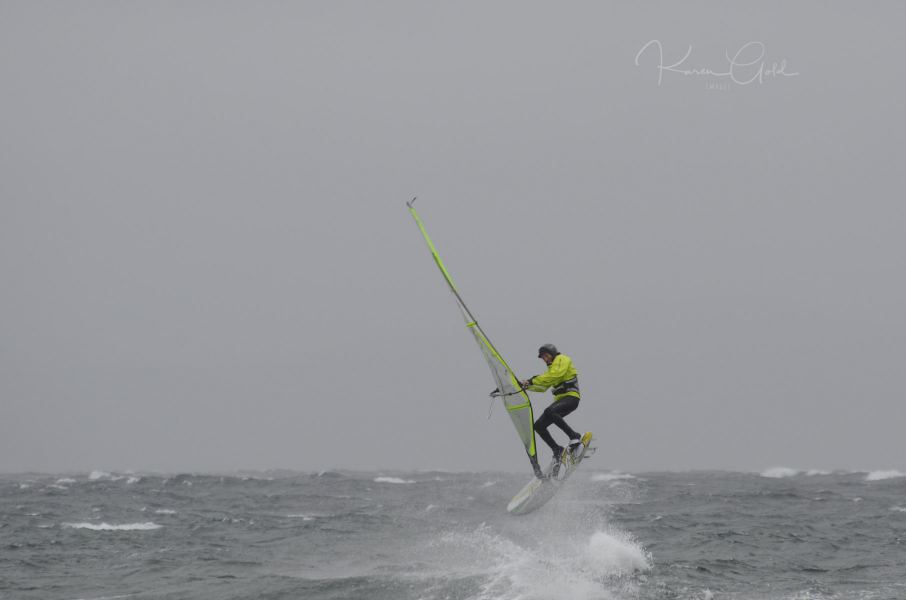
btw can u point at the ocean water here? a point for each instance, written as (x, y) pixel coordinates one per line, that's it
(781, 534)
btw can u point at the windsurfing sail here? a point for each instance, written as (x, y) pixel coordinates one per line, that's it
(515, 399)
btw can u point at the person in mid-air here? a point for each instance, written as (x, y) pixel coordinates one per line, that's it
(562, 376)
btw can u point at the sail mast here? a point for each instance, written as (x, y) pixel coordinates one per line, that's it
(514, 398)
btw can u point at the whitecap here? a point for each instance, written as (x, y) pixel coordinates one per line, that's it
(65, 480)
(898, 508)
(813, 472)
(95, 475)
(621, 556)
(165, 511)
(392, 480)
(562, 568)
(882, 475)
(780, 472)
(615, 476)
(108, 527)
(133, 479)
(304, 517)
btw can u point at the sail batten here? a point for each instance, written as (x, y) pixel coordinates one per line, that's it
(514, 398)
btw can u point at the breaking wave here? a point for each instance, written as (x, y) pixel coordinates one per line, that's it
(392, 480)
(557, 568)
(882, 475)
(616, 476)
(780, 472)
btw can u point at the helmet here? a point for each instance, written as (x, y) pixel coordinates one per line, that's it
(548, 349)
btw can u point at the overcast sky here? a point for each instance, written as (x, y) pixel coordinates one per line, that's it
(207, 263)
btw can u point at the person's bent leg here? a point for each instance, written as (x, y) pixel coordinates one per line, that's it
(560, 409)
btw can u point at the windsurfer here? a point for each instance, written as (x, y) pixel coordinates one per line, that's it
(562, 376)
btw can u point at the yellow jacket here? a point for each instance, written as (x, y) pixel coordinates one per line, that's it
(560, 374)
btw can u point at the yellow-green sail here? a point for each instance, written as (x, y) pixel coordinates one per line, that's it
(514, 397)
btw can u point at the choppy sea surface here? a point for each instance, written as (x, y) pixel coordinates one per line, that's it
(781, 534)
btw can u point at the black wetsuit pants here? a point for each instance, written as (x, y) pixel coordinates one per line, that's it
(554, 414)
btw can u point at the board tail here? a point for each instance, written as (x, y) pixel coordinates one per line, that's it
(571, 461)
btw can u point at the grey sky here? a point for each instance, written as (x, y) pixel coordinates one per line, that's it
(207, 261)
